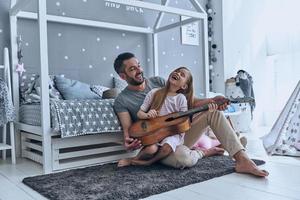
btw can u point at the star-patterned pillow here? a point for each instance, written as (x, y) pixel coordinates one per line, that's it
(30, 90)
(53, 92)
(26, 86)
(27, 82)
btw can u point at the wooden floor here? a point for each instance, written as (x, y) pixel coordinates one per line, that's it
(282, 183)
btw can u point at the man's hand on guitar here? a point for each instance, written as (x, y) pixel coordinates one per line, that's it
(132, 144)
(152, 114)
(221, 99)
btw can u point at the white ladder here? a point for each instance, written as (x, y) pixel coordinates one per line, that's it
(4, 146)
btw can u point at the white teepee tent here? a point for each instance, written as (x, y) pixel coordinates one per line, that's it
(284, 137)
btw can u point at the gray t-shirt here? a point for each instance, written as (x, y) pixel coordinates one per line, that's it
(131, 100)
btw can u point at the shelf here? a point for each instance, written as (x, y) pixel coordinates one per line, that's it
(228, 114)
(4, 146)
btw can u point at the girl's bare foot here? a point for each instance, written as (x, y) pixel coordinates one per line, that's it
(140, 162)
(213, 151)
(124, 162)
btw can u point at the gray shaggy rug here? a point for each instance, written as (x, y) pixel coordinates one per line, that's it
(107, 182)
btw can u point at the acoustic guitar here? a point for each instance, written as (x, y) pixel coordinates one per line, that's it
(151, 131)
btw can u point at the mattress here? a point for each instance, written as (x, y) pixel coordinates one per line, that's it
(31, 114)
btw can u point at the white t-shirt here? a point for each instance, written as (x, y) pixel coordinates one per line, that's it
(172, 104)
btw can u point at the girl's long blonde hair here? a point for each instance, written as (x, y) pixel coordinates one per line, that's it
(161, 94)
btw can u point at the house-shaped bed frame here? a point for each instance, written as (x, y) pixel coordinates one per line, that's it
(46, 146)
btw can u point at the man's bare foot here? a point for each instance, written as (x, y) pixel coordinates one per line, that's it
(213, 151)
(124, 162)
(245, 165)
(140, 162)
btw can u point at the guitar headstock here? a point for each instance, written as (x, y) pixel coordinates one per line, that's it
(242, 100)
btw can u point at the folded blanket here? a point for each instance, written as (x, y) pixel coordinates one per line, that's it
(81, 117)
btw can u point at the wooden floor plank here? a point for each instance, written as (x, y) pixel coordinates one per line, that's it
(233, 191)
(185, 193)
(269, 185)
(9, 191)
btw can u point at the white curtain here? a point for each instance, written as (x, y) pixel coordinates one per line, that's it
(263, 38)
(283, 52)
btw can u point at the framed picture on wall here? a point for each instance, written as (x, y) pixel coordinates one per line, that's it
(190, 33)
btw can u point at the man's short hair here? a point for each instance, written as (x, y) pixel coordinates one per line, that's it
(118, 64)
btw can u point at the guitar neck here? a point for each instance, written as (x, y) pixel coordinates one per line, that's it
(205, 107)
(189, 112)
(192, 111)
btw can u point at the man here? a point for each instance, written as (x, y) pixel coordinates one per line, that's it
(128, 103)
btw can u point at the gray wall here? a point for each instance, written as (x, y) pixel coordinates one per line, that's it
(173, 54)
(76, 52)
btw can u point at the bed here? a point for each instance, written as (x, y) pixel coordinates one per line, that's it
(82, 130)
(41, 141)
(76, 140)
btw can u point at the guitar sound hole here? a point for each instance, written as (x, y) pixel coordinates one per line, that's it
(144, 126)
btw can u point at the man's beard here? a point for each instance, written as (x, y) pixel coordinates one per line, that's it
(134, 82)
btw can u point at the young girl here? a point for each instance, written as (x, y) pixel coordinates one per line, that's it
(176, 96)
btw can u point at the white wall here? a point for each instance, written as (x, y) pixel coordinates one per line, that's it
(260, 37)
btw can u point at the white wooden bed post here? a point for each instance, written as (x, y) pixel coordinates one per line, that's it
(45, 108)
(155, 39)
(155, 53)
(206, 57)
(15, 76)
(199, 8)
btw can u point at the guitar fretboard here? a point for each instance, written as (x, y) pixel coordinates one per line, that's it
(205, 107)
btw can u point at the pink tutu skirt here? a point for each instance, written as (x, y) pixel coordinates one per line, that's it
(205, 142)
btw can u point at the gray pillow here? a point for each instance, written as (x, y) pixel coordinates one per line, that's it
(73, 89)
(99, 89)
(119, 83)
(111, 93)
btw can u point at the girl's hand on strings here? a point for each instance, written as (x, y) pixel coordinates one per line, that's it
(152, 114)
